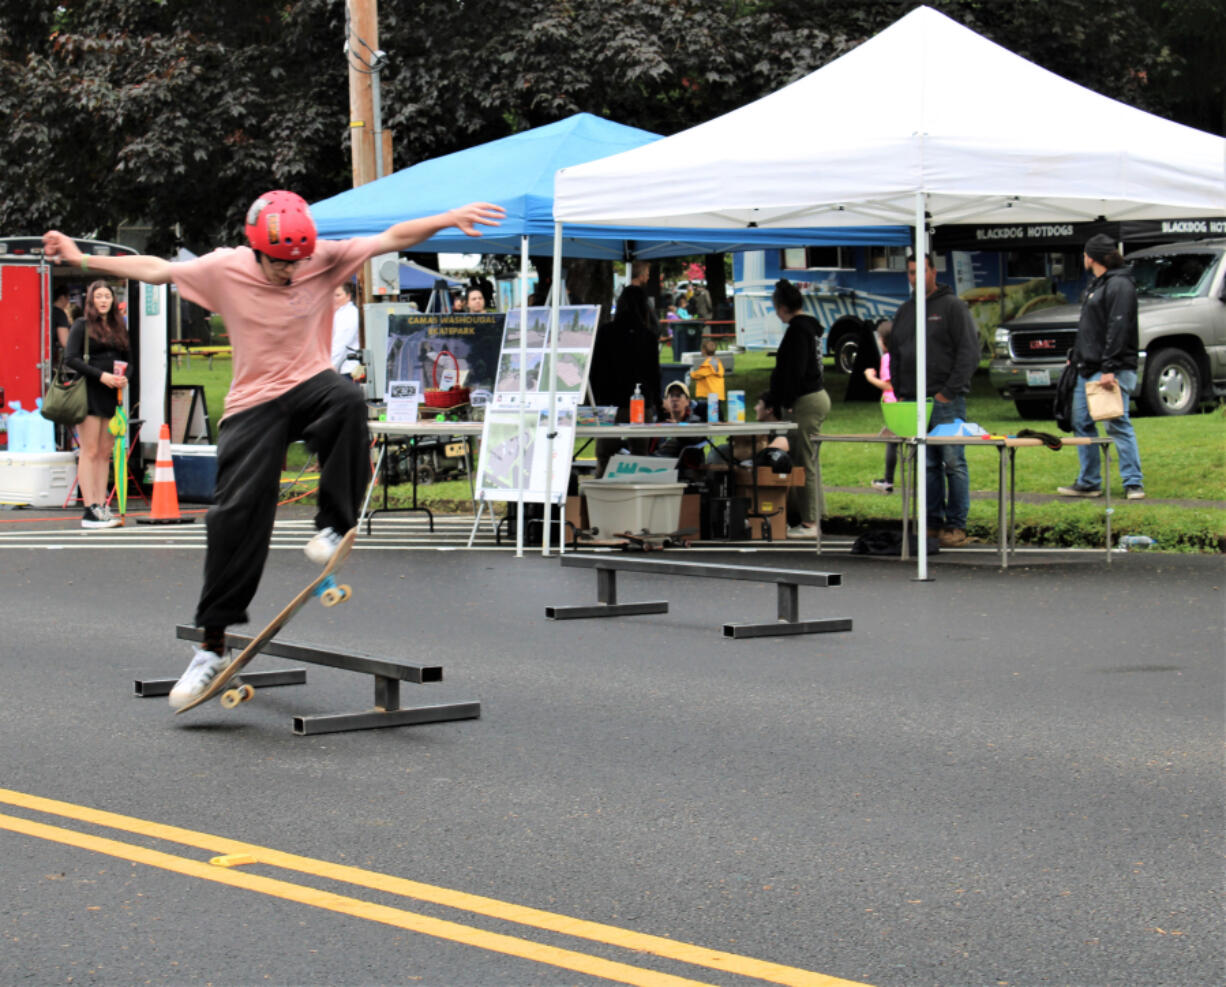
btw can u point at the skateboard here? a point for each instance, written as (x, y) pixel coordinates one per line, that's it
(649, 541)
(325, 586)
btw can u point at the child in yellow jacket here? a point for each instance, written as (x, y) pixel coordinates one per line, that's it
(708, 376)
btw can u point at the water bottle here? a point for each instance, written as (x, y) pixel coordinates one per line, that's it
(17, 428)
(1131, 543)
(712, 407)
(40, 434)
(638, 406)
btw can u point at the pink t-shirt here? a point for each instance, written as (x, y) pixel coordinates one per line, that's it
(281, 334)
(889, 397)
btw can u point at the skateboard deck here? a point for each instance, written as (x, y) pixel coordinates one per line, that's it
(324, 586)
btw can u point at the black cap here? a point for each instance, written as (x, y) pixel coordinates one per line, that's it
(1099, 246)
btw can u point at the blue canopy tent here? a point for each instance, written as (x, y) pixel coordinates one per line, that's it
(416, 277)
(517, 173)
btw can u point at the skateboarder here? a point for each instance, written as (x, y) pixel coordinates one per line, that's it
(275, 296)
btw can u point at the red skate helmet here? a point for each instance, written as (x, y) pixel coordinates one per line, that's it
(279, 224)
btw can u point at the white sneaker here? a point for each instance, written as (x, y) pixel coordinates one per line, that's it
(203, 668)
(885, 486)
(800, 531)
(323, 546)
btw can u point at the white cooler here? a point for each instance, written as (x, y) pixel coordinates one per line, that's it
(614, 506)
(40, 479)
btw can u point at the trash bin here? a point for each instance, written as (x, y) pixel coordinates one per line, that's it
(687, 337)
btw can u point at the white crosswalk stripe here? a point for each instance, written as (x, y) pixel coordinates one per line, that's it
(389, 533)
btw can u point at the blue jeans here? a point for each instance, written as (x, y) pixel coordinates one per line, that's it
(949, 481)
(1120, 429)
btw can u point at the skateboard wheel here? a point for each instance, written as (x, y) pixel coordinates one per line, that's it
(345, 591)
(246, 692)
(231, 698)
(331, 596)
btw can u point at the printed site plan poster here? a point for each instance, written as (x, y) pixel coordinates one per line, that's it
(515, 440)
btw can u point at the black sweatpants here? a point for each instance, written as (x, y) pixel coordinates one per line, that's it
(328, 412)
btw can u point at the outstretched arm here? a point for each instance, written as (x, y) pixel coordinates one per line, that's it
(404, 235)
(63, 250)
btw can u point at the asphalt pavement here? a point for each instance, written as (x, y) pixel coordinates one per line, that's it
(995, 778)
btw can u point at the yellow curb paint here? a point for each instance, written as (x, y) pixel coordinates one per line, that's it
(732, 963)
(412, 921)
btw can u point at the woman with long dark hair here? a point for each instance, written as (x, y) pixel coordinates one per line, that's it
(108, 342)
(797, 387)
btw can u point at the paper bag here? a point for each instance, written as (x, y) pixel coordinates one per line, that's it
(1104, 403)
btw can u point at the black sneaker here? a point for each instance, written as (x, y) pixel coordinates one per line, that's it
(96, 517)
(1134, 493)
(1079, 490)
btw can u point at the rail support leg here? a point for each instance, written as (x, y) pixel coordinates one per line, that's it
(387, 693)
(789, 621)
(606, 586)
(606, 602)
(789, 602)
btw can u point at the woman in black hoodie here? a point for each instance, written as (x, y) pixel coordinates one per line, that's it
(796, 384)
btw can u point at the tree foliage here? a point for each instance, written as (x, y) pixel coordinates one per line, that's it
(177, 113)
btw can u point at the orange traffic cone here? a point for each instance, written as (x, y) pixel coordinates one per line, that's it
(165, 508)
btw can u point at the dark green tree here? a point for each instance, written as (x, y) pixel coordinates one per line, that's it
(177, 112)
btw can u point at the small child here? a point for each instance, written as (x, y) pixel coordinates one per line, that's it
(708, 376)
(880, 379)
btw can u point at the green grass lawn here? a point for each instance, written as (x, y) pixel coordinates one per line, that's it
(1183, 458)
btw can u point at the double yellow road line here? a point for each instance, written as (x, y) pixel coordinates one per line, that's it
(222, 870)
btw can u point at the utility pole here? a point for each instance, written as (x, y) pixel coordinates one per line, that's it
(366, 61)
(370, 144)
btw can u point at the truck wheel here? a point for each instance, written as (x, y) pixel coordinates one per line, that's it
(1034, 409)
(1172, 383)
(844, 343)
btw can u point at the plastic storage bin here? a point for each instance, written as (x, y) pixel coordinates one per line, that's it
(40, 479)
(195, 472)
(614, 506)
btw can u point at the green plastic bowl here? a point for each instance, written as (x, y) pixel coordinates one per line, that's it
(900, 417)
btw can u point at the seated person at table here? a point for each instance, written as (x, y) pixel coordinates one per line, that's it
(677, 404)
(677, 408)
(744, 448)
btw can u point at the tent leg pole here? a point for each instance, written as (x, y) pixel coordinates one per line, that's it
(921, 390)
(523, 369)
(554, 321)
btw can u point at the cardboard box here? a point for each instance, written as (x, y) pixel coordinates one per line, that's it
(576, 513)
(691, 513)
(772, 498)
(768, 478)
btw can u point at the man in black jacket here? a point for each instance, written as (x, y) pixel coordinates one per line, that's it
(1106, 351)
(626, 352)
(952, 356)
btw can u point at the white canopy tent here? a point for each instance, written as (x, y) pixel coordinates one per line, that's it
(923, 124)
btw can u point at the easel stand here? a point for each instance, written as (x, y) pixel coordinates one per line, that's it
(387, 674)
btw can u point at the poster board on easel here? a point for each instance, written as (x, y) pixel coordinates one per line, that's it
(189, 414)
(515, 437)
